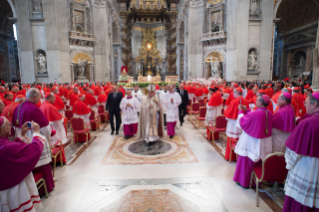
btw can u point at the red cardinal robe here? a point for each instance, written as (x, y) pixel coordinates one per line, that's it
(102, 98)
(90, 100)
(58, 103)
(73, 98)
(8, 110)
(80, 108)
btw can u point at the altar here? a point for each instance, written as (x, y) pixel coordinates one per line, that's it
(149, 79)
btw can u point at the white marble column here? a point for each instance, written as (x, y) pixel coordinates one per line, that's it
(195, 49)
(266, 32)
(25, 41)
(56, 14)
(102, 42)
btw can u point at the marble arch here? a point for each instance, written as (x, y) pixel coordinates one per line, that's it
(12, 8)
(220, 51)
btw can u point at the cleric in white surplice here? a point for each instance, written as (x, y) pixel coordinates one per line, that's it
(171, 102)
(130, 106)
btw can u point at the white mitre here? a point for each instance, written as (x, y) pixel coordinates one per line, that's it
(151, 87)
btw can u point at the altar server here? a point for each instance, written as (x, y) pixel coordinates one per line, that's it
(137, 93)
(254, 143)
(283, 123)
(171, 102)
(129, 106)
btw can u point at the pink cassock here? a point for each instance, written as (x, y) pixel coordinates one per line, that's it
(17, 160)
(284, 119)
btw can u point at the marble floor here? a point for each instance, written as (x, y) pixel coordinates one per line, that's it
(203, 184)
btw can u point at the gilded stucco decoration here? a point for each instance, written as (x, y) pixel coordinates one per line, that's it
(81, 56)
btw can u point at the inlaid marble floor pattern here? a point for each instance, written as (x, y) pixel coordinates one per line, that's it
(202, 185)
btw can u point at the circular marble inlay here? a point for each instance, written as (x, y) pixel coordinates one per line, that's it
(154, 148)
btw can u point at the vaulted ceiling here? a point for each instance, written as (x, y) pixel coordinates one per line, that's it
(5, 11)
(294, 14)
(168, 1)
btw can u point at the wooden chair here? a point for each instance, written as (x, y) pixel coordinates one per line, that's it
(194, 110)
(273, 169)
(220, 126)
(94, 122)
(55, 151)
(69, 115)
(232, 146)
(39, 181)
(78, 128)
(201, 116)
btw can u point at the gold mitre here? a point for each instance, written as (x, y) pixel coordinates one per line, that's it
(151, 87)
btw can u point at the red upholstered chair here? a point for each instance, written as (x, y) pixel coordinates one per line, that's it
(232, 146)
(79, 129)
(189, 107)
(272, 168)
(202, 115)
(69, 114)
(194, 110)
(56, 150)
(94, 122)
(201, 103)
(39, 180)
(102, 114)
(220, 126)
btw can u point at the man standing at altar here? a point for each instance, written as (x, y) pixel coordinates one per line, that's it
(27, 112)
(231, 114)
(283, 122)
(182, 108)
(302, 159)
(151, 126)
(254, 143)
(113, 109)
(129, 107)
(171, 102)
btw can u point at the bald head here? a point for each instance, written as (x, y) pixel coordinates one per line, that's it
(90, 91)
(33, 95)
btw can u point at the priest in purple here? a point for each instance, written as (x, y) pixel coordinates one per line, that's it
(302, 158)
(26, 112)
(254, 143)
(18, 191)
(283, 122)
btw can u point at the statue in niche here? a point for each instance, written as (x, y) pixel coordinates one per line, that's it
(215, 69)
(301, 62)
(37, 6)
(254, 7)
(252, 60)
(253, 66)
(42, 63)
(81, 68)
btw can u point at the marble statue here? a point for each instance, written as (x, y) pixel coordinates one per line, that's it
(254, 7)
(252, 60)
(81, 68)
(37, 6)
(42, 63)
(215, 69)
(301, 63)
